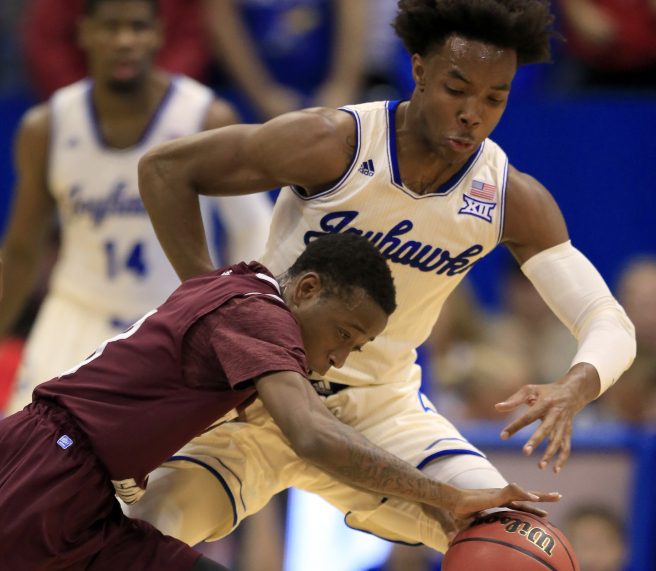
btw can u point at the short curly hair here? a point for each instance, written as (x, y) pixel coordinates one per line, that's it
(346, 262)
(91, 5)
(525, 26)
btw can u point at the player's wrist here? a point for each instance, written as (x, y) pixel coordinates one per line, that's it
(583, 382)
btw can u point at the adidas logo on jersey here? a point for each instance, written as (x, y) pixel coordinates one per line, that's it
(367, 168)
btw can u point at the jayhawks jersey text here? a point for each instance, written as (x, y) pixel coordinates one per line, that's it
(431, 241)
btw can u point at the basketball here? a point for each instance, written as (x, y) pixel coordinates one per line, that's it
(510, 541)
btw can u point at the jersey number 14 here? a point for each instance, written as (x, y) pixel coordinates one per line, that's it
(132, 259)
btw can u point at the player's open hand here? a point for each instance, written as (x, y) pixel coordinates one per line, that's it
(555, 405)
(462, 506)
(470, 502)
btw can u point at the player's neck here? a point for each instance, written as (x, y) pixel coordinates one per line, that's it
(122, 116)
(143, 99)
(423, 167)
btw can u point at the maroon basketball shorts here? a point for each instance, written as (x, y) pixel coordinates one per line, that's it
(57, 504)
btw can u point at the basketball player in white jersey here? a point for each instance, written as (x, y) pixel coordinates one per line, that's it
(78, 154)
(422, 180)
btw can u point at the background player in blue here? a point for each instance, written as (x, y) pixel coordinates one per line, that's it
(422, 180)
(77, 156)
(219, 339)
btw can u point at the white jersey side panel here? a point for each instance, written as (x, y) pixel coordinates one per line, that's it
(430, 241)
(110, 258)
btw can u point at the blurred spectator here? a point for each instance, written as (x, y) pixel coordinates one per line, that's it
(637, 293)
(597, 536)
(461, 322)
(55, 59)
(612, 42)
(286, 54)
(527, 326)
(387, 70)
(480, 377)
(633, 399)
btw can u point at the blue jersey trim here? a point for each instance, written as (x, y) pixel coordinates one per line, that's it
(358, 138)
(454, 451)
(444, 440)
(347, 524)
(443, 189)
(454, 181)
(392, 156)
(218, 476)
(502, 201)
(145, 134)
(421, 396)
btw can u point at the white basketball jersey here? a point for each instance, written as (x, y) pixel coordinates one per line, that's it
(430, 241)
(110, 258)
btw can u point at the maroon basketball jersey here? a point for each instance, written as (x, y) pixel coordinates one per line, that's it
(139, 399)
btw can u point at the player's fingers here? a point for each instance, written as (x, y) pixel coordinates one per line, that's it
(515, 493)
(549, 497)
(555, 442)
(527, 394)
(541, 432)
(529, 417)
(565, 449)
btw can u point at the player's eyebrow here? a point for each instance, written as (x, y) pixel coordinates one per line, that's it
(356, 326)
(457, 74)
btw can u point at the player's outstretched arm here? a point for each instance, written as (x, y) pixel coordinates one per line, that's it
(319, 437)
(306, 148)
(536, 234)
(31, 215)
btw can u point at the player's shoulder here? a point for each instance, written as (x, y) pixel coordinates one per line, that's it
(524, 191)
(218, 111)
(186, 83)
(327, 131)
(325, 121)
(36, 121)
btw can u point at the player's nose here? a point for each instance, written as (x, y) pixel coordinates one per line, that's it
(337, 358)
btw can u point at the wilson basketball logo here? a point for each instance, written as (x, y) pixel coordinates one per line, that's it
(510, 541)
(536, 535)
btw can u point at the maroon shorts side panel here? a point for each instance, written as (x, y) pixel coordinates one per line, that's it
(57, 505)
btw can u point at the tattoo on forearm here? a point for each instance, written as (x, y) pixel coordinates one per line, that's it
(373, 468)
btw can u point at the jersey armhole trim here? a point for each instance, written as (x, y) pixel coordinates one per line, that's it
(298, 191)
(502, 202)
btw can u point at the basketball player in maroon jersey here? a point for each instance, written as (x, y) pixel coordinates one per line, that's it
(102, 426)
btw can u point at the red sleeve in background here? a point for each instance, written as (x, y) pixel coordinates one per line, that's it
(11, 350)
(50, 49)
(185, 47)
(634, 45)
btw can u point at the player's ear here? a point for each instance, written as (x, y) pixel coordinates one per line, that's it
(418, 70)
(308, 287)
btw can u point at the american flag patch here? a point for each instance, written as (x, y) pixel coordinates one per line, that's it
(483, 190)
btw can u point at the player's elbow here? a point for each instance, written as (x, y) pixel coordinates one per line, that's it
(305, 444)
(154, 168)
(310, 444)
